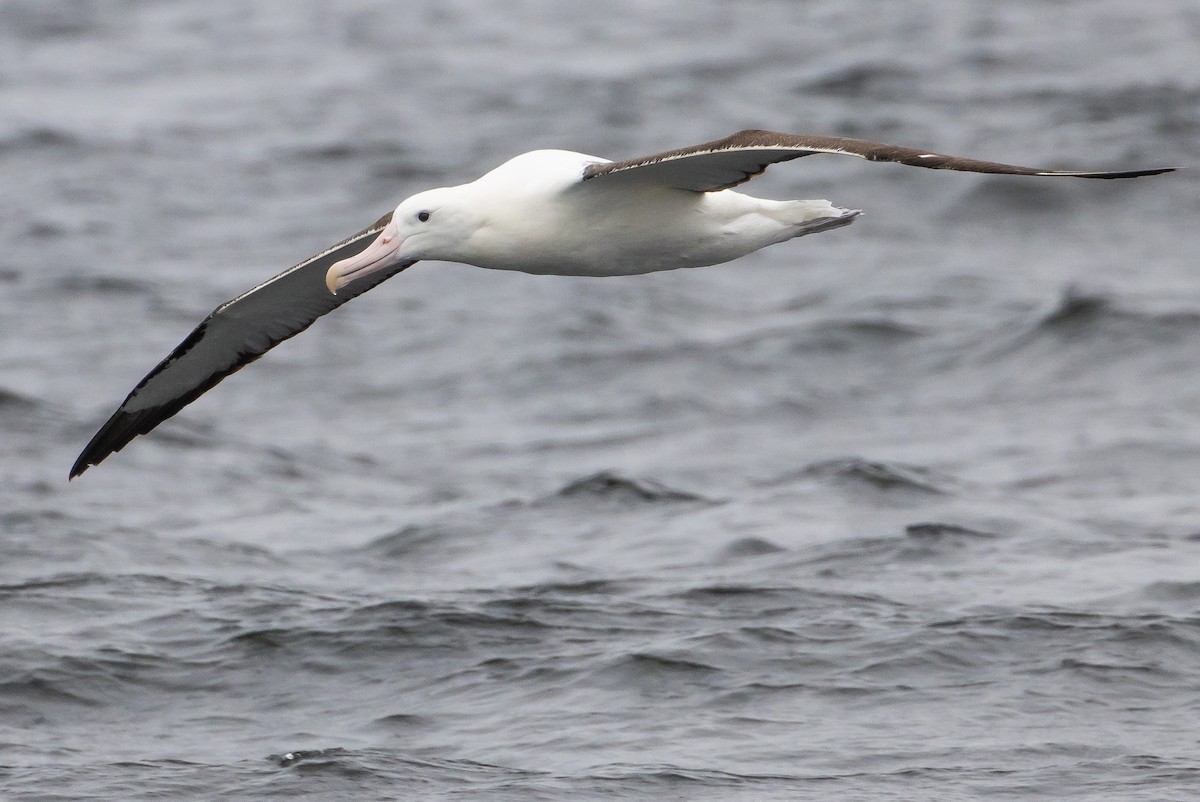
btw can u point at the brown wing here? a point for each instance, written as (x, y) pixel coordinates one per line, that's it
(724, 163)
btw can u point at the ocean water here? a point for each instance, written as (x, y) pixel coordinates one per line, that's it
(907, 510)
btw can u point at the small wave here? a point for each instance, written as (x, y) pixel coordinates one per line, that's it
(1094, 318)
(1090, 336)
(42, 20)
(46, 229)
(103, 285)
(335, 636)
(1075, 307)
(611, 486)
(11, 400)
(991, 197)
(409, 540)
(607, 588)
(1166, 101)
(710, 593)
(758, 602)
(34, 417)
(39, 139)
(859, 80)
(1110, 640)
(346, 150)
(401, 722)
(644, 666)
(670, 781)
(1075, 664)
(934, 531)
(847, 334)
(121, 585)
(376, 773)
(99, 677)
(1173, 591)
(911, 666)
(750, 547)
(885, 476)
(857, 554)
(391, 162)
(42, 686)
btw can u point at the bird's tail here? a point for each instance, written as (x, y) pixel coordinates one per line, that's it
(811, 216)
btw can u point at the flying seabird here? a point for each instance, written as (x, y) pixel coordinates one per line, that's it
(550, 212)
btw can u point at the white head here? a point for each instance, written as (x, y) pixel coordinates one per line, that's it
(506, 219)
(434, 224)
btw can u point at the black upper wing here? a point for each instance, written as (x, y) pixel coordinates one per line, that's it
(235, 334)
(724, 163)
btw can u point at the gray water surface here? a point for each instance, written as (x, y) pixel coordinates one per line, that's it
(907, 510)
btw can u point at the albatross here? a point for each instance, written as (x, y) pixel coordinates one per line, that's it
(548, 212)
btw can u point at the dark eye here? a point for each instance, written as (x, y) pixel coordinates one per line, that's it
(423, 217)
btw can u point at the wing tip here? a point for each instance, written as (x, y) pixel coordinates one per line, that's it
(91, 455)
(1126, 173)
(87, 458)
(116, 433)
(101, 446)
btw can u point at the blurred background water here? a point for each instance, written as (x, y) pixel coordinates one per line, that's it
(905, 510)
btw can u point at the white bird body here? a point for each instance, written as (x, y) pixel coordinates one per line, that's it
(544, 212)
(533, 214)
